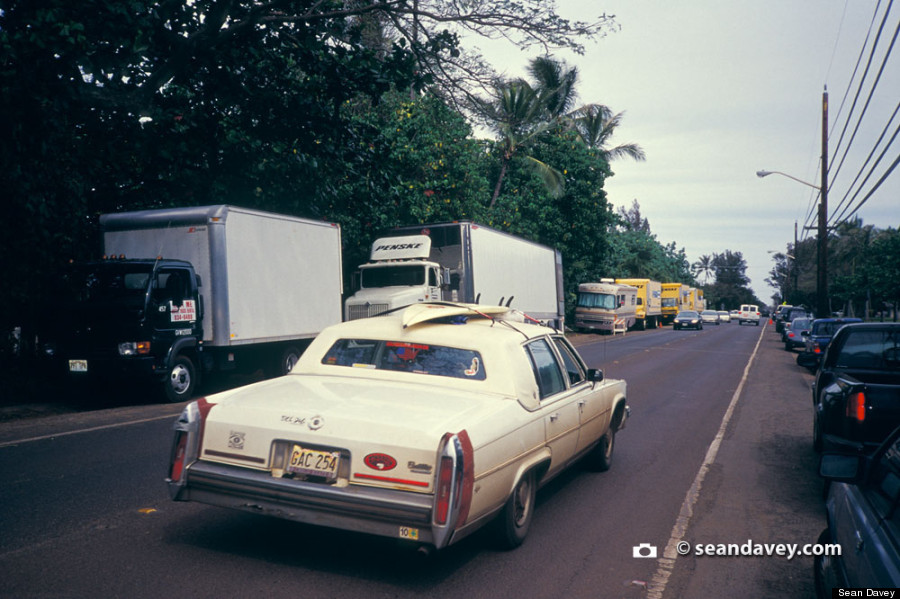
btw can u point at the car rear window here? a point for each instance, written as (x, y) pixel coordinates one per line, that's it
(875, 350)
(403, 356)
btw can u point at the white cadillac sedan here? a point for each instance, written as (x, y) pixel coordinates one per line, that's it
(423, 424)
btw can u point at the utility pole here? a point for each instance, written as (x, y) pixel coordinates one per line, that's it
(822, 304)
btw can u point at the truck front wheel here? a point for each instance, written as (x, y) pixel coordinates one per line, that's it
(182, 379)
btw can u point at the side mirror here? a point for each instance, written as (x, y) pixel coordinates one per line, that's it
(842, 468)
(595, 375)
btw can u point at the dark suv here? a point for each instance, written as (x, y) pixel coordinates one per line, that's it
(788, 314)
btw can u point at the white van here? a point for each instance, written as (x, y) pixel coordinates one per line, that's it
(749, 313)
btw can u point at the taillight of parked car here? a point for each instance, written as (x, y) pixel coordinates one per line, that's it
(179, 450)
(455, 480)
(445, 486)
(856, 406)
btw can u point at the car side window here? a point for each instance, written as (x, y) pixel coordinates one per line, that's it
(547, 371)
(574, 368)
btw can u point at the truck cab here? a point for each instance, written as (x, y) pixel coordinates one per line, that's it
(398, 274)
(127, 318)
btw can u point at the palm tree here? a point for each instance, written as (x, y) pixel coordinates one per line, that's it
(596, 124)
(518, 114)
(704, 266)
(522, 112)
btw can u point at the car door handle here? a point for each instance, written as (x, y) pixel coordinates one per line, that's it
(554, 417)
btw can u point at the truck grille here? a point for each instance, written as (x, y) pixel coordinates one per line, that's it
(366, 310)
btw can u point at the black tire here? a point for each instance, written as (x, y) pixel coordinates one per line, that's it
(600, 457)
(287, 358)
(821, 569)
(516, 516)
(181, 381)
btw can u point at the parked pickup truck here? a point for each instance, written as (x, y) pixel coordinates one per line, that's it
(856, 393)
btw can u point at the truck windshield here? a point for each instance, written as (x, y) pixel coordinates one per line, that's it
(669, 302)
(393, 276)
(109, 282)
(597, 300)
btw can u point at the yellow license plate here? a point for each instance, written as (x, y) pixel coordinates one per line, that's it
(314, 462)
(78, 366)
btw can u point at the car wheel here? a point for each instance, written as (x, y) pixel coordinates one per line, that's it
(182, 379)
(824, 570)
(518, 511)
(600, 458)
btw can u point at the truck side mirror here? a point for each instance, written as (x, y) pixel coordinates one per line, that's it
(445, 278)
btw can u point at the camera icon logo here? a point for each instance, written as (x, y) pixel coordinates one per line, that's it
(644, 550)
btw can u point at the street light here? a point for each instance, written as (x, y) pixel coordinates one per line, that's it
(822, 307)
(762, 174)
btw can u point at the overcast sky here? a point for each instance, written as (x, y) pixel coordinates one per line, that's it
(714, 91)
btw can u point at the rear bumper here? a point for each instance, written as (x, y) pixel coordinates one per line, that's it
(382, 512)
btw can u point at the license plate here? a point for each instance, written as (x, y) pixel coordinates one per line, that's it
(313, 462)
(78, 366)
(409, 533)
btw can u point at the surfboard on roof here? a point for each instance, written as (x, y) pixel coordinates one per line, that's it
(419, 313)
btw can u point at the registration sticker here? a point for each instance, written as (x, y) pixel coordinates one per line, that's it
(409, 533)
(313, 462)
(78, 366)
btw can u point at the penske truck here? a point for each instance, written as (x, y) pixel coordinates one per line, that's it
(606, 306)
(649, 302)
(675, 298)
(459, 262)
(190, 291)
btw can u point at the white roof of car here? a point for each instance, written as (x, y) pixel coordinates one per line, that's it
(496, 333)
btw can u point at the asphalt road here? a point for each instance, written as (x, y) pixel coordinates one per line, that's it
(717, 451)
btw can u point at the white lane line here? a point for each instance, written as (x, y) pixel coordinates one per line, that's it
(87, 430)
(666, 563)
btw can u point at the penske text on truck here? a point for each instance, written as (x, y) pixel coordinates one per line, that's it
(461, 262)
(187, 291)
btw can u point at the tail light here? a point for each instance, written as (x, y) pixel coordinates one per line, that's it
(188, 439)
(179, 450)
(455, 481)
(856, 406)
(443, 491)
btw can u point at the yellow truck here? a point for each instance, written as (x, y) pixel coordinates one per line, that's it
(605, 306)
(649, 302)
(675, 298)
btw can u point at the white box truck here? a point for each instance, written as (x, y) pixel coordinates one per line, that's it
(190, 290)
(460, 262)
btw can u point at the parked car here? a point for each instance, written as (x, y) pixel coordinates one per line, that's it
(724, 316)
(817, 338)
(749, 313)
(687, 319)
(863, 521)
(856, 392)
(422, 424)
(792, 336)
(788, 314)
(710, 316)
